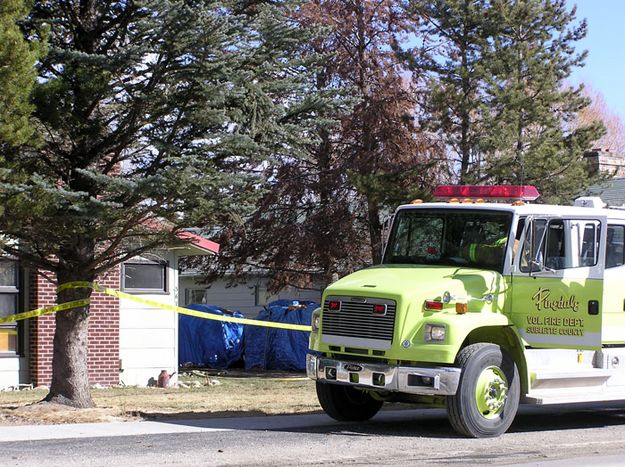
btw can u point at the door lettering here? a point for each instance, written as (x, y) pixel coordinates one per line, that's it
(543, 301)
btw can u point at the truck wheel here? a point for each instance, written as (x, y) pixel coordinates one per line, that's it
(487, 398)
(344, 403)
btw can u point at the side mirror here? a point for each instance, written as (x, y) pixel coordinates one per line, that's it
(387, 223)
(535, 261)
(538, 266)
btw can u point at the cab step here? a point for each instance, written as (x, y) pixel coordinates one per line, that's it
(569, 378)
(570, 397)
(549, 386)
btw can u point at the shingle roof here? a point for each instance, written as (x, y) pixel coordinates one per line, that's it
(611, 191)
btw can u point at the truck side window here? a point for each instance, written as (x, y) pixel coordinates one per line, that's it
(589, 251)
(555, 254)
(561, 244)
(615, 251)
(572, 243)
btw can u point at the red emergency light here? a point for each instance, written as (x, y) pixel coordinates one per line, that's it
(499, 192)
(379, 309)
(334, 305)
(433, 305)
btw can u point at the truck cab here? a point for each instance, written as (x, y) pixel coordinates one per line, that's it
(482, 301)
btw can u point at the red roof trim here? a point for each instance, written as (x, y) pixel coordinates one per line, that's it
(199, 242)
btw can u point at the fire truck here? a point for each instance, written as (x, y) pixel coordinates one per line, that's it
(482, 301)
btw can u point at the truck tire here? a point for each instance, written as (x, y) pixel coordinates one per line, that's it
(344, 403)
(487, 398)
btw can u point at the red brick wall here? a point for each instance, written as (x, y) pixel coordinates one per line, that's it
(103, 352)
(41, 330)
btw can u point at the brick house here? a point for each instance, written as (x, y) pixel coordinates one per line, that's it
(129, 343)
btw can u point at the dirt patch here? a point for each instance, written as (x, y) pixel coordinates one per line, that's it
(199, 395)
(41, 413)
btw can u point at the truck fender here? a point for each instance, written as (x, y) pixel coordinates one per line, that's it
(506, 337)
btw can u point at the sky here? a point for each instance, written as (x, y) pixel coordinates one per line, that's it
(605, 43)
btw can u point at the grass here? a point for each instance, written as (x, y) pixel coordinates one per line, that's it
(230, 394)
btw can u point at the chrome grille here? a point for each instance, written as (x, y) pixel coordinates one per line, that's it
(356, 319)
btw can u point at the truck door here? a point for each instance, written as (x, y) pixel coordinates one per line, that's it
(557, 281)
(614, 293)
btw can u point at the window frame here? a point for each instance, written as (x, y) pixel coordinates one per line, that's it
(542, 244)
(622, 255)
(190, 291)
(451, 217)
(13, 328)
(164, 290)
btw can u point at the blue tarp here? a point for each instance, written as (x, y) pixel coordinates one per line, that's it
(209, 343)
(279, 349)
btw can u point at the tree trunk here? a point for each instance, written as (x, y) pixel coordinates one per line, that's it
(465, 143)
(70, 377)
(327, 257)
(375, 230)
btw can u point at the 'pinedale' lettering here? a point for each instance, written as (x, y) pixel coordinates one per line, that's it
(543, 302)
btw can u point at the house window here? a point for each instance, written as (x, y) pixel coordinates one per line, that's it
(9, 296)
(194, 296)
(260, 295)
(144, 275)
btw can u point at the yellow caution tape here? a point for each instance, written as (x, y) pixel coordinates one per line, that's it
(144, 301)
(76, 285)
(45, 311)
(199, 314)
(183, 311)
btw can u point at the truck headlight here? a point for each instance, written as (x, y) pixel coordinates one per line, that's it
(315, 320)
(434, 333)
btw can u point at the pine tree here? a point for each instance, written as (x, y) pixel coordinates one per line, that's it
(321, 215)
(497, 93)
(390, 158)
(379, 150)
(17, 76)
(154, 113)
(455, 34)
(530, 136)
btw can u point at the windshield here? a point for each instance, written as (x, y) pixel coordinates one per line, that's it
(449, 237)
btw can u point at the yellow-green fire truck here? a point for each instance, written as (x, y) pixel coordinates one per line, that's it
(479, 306)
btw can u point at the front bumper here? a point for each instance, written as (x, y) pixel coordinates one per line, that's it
(411, 380)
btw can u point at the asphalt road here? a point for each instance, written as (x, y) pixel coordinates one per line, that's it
(551, 436)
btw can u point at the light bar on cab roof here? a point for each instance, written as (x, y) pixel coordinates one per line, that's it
(522, 192)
